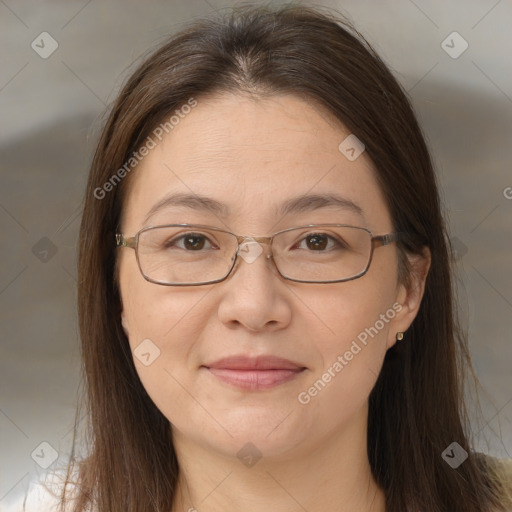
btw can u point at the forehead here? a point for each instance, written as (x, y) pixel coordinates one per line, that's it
(252, 155)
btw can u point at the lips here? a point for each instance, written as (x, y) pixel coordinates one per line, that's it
(255, 363)
(258, 373)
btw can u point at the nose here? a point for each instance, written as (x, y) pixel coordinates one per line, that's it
(254, 295)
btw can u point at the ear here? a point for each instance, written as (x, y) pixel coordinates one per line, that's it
(409, 297)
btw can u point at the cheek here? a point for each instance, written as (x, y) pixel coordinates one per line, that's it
(162, 325)
(353, 320)
(163, 330)
(153, 311)
(361, 310)
(172, 320)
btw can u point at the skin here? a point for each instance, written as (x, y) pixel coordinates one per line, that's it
(253, 155)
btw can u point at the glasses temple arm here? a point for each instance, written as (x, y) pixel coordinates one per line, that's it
(389, 238)
(121, 241)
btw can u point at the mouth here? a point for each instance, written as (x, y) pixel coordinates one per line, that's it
(254, 373)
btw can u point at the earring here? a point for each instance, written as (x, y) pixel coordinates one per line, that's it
(399, 336)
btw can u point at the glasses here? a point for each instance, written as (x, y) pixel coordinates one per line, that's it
(192, 255)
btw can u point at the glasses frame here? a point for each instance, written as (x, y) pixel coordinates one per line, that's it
(376, 241)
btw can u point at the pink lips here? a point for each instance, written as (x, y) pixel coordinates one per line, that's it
(254, 373)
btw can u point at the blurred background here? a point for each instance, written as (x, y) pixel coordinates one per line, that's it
(62, 65)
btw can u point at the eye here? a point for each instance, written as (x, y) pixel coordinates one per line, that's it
(320, 241)
(191, 242)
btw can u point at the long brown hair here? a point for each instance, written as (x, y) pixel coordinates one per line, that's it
(416, 409)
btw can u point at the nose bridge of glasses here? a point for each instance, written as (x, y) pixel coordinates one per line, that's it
(244, 241)
(260, 239)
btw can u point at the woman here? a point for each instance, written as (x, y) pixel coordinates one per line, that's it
(265, 288)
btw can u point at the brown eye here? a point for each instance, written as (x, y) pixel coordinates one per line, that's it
(319, 242)
(191, 242)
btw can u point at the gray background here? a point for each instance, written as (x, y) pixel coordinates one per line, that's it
(50, 114)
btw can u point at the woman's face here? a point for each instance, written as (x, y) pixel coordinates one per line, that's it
(253, 156)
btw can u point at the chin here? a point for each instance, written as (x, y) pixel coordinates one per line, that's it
(272, 435)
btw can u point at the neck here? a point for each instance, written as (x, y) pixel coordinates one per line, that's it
(331, 475)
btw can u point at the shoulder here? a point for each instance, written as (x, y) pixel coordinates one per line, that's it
(39, 498)
(507, 468)
(500, 470)
(44, 493)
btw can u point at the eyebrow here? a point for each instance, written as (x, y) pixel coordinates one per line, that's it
(303, 203)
